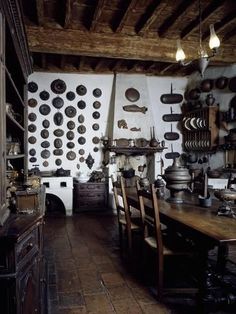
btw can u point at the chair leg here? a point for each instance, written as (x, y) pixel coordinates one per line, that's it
(159, 278)
(121, 237)
(129, 239)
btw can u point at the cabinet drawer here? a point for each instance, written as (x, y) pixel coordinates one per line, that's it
(91, 187)
(90, 194)
(27, 245)
(91, 204)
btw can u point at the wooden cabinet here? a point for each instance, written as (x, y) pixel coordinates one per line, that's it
(22, 276)
(15, 66)
(90, 196)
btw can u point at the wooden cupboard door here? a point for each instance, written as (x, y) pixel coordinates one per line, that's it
(7, 296)
(28, 289)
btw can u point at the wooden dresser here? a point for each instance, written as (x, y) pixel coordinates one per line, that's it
(90, 196)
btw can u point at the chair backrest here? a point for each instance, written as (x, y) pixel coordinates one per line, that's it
(150, 214)
(122, 209)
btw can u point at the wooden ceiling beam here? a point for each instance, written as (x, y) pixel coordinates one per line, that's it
(177, 15)
(157, 10)
(122, 22)
(40, 12)
(97, 14)
(229, 35)
(206, 15)
(109, 45)
(67, 23)
(167, 67)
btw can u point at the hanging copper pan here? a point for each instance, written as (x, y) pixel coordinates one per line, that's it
(132, 94)
(171, 98)
(221, 82)
(32, 87)
(58, 86)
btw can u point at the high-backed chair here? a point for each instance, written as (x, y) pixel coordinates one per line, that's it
(153, 238)
(125, 220)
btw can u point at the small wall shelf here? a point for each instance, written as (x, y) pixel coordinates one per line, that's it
(135, 150)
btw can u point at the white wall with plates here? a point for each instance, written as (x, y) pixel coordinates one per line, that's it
(44, 80)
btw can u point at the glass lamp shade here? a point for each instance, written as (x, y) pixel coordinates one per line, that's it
(180, 55)
(214, 41)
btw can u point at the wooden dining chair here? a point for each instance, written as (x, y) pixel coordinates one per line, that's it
(154, 239)
(126, 222)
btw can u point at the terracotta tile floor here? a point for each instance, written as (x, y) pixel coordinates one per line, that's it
(87, 274)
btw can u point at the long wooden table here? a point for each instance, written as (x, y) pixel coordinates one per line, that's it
(202, 225)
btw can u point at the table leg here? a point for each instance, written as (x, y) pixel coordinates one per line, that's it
(222, 259)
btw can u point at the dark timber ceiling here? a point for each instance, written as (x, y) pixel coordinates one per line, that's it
(130, 36)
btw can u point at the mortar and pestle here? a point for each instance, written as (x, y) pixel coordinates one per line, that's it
(205, 199)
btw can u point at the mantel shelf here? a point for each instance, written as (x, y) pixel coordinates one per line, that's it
(135, 150)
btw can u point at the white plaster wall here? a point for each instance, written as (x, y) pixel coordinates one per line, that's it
(44, 80)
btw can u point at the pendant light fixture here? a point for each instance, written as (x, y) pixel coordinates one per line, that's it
(203, 58)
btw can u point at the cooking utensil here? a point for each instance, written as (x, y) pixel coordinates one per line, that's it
(96, 105)
(96, 115)
(45, 163)
(171, 98)
(171, 136)
(97, 92)
(70, 111)
(81, 118)
(58, 102)
(44, 109)
(81, 140)
(32, 139)
(46, 124)
(32, 117)
(58, 118)
(81, 104)
(172, 117)
(32, 152)
(32, 128)
(32, 87)
(58, 161)
(58, 152)
(58, 86)
(70, 95)
(45, 144)
(81, 129)
(70, 145)
(95, 126)
(32, 102)
(71, 155)
(207, 85)
(172, 154)
(45, 154)
(58, 143)
(81, 90)
(33, 159)
(44, 95)
(44, 133)
(70, 135)
(71, 125)
(132, 94)
(95, 140)
(221, 82)
(81, 151)
(58, 132)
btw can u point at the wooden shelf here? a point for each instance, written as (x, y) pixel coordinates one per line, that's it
(13, 85)
(12, 120)
(135, 150)
(15, 156)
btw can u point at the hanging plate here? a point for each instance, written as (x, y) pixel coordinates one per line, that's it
(58, 152)
(44, 95)
(81, 90)
(32, 152)
(45, 154)
(81, 151)
(95, 149)
(58, 143)
(81, 140)
(81, 129)
(70, 145)
(46, 124)
(71, 125)
(58, 86)
(81, 104)
(45, 163)
(70, 111)
(71, 155)
(96, 105)
(32, 116)
(96, 115)
(81, 159)
(32, 87)
(95, 140)
(70, 96)
(32, 128)
(32, 102)
(132, 94)
(81, 118)
(45, 144)
(44, 109)
(44, 133)
(58, 132)
(32, 140)
(58, 162)
(58, 118)
(70, 135)
(33, 159)
(97, 92)
(95, 126)
(58, 102)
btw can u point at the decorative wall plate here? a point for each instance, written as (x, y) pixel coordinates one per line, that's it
(122, 142)
(45, 163)
(81, 90)
(95, 126)
(81, 159)
(58, 102)
(70, 135)
(58, 162)
(32, 116)
(81, 129)
(95, 140)
(32, 140)
(45, 144)
(81, 151)
(58, 86)
(44, 133)
(81, 104)
(58, 132)
(81, 118)
(32, 87)
(44, 95)
(45, 153)
(32, 102)
(58, 143)
(132, 94)
(96, 105)
(95, 149)
(58, 118)
(58, 152)
(70, 145)
(140, 142)
(32, 128)
(71, 155)
(70, 111)
(70, 96)
(81, 140)
(46, 124)
(33, 159)
(221, 82)
(44, 109)
(96, 115)
(97, 92)
(78, 166)
(32, 152)
(71, 125)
